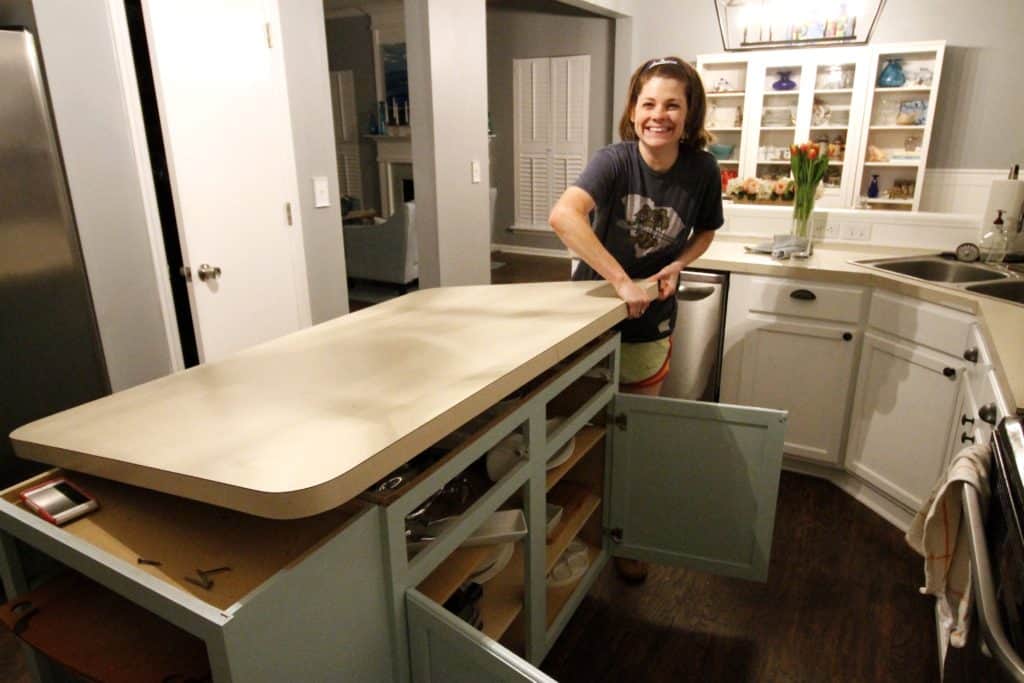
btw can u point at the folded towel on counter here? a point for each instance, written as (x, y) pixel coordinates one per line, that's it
(938, 535)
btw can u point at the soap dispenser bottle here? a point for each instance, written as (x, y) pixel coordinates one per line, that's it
(993, 242)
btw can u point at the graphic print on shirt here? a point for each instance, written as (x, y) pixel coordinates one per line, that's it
(650, 227)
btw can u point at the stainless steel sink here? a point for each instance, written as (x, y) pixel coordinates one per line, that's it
(1011, 290)
(936, 269)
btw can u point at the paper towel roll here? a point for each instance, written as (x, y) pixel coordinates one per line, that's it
(1007, 195)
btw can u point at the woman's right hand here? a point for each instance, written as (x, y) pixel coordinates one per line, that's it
(635, 297)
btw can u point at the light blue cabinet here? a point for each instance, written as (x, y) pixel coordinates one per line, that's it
(694, 484)
(686, 483)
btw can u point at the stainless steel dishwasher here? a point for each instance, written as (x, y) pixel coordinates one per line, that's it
(695, 368)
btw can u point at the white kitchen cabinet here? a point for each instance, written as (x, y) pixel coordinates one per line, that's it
(906, 410)
(793, 346)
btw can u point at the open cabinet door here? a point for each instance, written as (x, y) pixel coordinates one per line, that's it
(695, 484)
(445, 649)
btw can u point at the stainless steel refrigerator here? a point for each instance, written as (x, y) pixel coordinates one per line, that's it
(50, 353)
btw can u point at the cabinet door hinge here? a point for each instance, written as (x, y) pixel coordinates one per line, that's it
(615, 535)
(288, 212)
(621, 422)
(270, 42)
(186, 273)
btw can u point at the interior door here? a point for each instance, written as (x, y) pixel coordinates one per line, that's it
(224, 113)
(445, 649)
(695, 484)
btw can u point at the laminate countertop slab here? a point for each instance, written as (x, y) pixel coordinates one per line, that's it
(303, 423)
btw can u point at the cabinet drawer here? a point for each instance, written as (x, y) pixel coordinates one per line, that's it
(806, 299)
(923, 323)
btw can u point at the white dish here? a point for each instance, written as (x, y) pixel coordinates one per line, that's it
(504, 456)
(561, 456)
(493, 564)
(501, 527)
(571, 566)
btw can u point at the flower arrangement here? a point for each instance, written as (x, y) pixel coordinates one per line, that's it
(761, 189)
(808, 164)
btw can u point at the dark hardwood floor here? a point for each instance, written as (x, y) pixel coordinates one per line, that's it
(841, 602)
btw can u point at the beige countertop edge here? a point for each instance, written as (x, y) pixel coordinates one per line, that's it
(342, 488)
(1001, 323)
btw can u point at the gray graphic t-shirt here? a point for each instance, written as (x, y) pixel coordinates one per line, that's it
(644, 218)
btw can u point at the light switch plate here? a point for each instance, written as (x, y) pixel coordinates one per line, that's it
(321, 197)
(474, 169)
(858, 231)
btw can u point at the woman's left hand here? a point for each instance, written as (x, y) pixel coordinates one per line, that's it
(668, 280)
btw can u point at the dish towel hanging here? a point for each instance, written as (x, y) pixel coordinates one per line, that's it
(937, 534)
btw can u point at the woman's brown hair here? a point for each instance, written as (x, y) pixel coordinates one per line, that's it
(694, 133)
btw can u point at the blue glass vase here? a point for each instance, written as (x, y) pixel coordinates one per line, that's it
(784, 82)
(892, 75)
(873, 187)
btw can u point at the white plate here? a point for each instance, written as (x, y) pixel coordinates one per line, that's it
(571, 566)
(493, 564)
(554, 513)
(561, 456)
(504, 456)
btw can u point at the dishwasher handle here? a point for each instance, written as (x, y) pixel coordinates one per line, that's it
(693, 292)
(984, 591)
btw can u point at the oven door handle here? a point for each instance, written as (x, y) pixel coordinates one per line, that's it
(984, 591)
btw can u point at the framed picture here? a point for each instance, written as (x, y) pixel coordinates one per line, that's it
(759, 24)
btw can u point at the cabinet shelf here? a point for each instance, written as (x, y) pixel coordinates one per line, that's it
(892, 164)
(877, 200)
(782, 93)
(833, 91)
(586, 439)
(453, 572)
(895, 127)
(502, 600)
(727, 161)
(730, 93)
(813, 128)
(578, 505)
(729, 129)
(557, 597)
(778, 127)
(905, 88)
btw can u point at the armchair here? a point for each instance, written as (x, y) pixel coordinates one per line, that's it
(385, 252)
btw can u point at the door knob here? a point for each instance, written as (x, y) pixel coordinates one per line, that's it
(207, 272)
(988, 413)
(971, 354)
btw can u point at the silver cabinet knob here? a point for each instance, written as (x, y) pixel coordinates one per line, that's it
(207, 272)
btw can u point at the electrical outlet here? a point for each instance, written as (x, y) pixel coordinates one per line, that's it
(860, 232)
(830, 230)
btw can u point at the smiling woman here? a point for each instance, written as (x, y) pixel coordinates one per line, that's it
(656, 202)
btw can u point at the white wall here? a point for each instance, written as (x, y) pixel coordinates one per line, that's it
(309, 97)
(446, 48)
(107, 193)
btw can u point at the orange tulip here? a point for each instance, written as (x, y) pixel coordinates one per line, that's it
(812, 153)
(794, 149)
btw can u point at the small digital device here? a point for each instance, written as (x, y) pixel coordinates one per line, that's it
(59, 501)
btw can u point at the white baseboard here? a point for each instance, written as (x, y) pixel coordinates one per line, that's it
(530, 251)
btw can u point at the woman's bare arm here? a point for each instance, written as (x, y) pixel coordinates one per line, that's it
(668, 277)
(570, 220)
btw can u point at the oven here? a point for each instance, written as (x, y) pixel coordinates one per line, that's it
(996, 642)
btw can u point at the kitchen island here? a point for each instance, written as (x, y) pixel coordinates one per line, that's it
(262, 463)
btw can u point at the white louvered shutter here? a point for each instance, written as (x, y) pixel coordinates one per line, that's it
(551, 99)
(570, 95)
(346, 133)
(532, 129)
